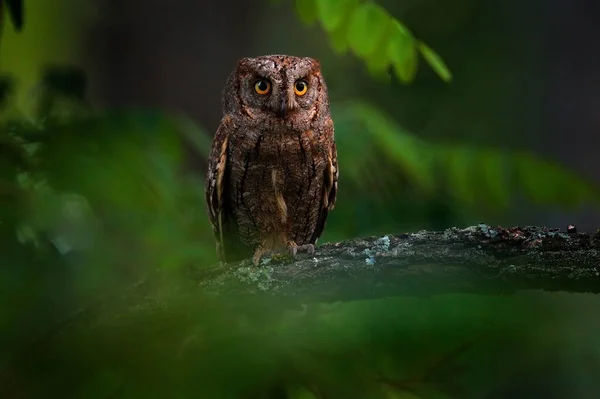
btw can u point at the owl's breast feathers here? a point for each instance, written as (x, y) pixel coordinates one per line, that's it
(276, 184)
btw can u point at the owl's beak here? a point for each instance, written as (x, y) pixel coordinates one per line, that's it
(283, 108)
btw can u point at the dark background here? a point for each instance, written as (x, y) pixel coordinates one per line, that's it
(526, 73)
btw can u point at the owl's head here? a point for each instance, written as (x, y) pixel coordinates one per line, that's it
(276, 89)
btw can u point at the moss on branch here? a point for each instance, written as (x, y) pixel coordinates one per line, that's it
(478, 259)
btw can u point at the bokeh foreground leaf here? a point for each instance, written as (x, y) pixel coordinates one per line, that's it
(173, 341)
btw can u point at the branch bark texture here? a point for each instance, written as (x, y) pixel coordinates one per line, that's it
(478, 259)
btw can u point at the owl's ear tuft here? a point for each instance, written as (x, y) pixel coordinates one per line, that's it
(316, 64)
(243, 63)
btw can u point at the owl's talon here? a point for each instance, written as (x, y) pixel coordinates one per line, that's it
(220, 253)
(260, 251)
(292, 248)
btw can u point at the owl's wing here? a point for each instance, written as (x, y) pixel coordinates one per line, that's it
(215, 181)
(329, 188)
(331, 181)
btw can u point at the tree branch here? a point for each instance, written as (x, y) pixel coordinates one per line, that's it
(478, 259)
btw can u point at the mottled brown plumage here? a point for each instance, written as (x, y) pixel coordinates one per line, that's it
(272, 172)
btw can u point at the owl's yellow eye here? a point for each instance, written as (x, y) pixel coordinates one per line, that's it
(262, 87)
(300, 87)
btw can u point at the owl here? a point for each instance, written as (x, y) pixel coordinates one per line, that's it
(272, 171)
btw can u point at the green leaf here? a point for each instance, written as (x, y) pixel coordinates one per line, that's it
(402, 52)
(364, 33)
(338, 39)
(334, 17)
(436, 62)
(373, 35)
(378, 63)
(307, 11)
(333, 12)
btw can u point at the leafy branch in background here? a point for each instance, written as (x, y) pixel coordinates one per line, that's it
(397, 181)
(471, 175)
(373, 35)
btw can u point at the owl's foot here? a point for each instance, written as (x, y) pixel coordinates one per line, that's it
(220, 254)
(260, 251)
(293, 248)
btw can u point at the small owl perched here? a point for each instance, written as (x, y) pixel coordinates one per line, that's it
(272, 172)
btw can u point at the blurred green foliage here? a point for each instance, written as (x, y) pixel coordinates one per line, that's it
(372, 34)
(51, 34)
(14, 9)
(395, 180)
(179, 343)
(99, 217)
